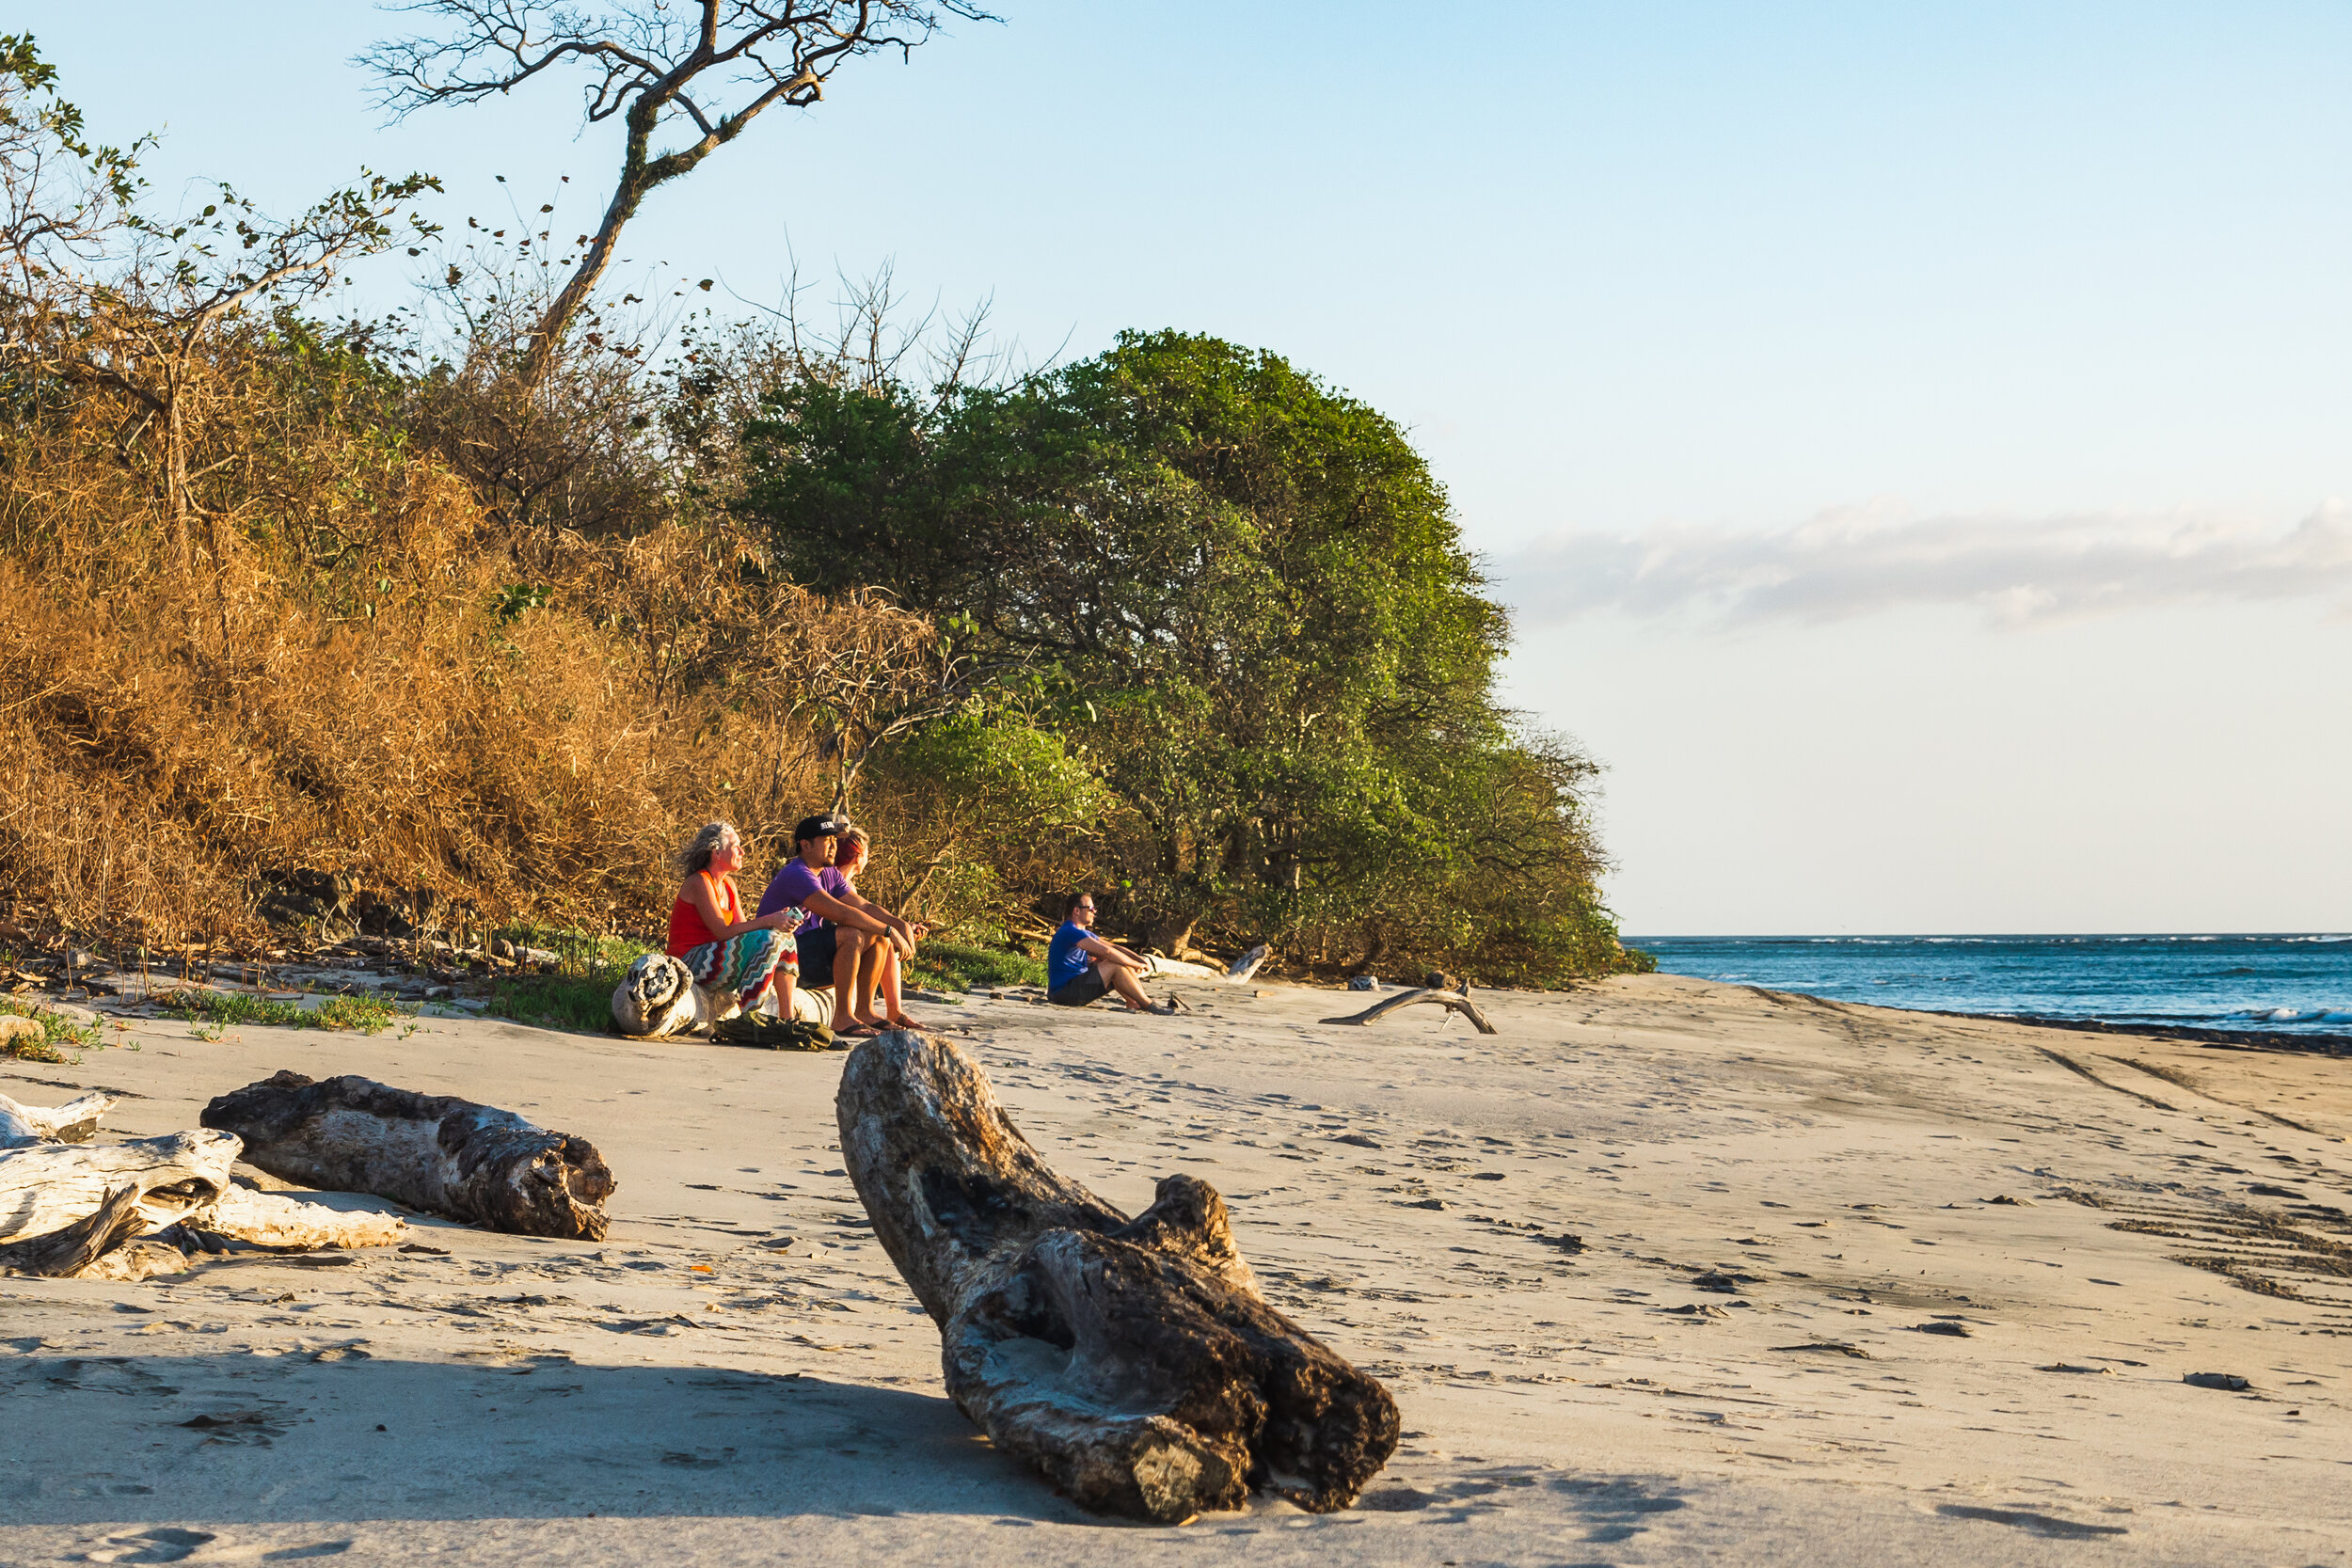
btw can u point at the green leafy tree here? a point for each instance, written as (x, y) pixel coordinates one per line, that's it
(1245, 606)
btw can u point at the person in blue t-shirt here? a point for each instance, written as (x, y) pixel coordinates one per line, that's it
(844, 935)
(1081, 967)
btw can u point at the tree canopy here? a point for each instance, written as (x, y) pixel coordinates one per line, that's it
(1241, 599)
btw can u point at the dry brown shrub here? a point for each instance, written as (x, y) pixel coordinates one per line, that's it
(366, 712)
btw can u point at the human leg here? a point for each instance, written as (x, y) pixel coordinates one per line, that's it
(850, 957)
(1123, 980)
(894, 990)
(874, 955)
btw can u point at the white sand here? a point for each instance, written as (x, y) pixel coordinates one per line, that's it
(553, 1400)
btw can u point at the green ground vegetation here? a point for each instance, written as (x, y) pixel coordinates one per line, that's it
(59, 1034)
(369, 1014)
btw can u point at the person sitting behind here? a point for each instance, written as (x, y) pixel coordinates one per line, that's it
(838, 927)
(889, 986)
(728, 956)
(1081, 967)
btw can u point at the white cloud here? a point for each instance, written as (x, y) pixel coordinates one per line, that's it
(1856, 562)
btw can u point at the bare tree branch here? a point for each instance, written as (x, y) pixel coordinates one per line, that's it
(640, 58)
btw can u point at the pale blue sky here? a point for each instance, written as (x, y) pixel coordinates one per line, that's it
(1888, 419)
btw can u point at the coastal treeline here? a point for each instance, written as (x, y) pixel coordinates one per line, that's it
(442, 615)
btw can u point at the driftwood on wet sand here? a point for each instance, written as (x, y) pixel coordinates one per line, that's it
(1453, 999)
(434, 1152)
(1133, 1361)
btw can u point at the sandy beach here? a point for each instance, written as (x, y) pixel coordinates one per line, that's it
(1665, 1272)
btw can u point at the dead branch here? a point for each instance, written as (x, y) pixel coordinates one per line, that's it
(706, 69)
(1455, 1000)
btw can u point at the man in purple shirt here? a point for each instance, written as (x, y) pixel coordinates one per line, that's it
(844, 933)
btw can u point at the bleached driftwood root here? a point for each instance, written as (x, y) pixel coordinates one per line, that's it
(1133, 1361)
(434, 1152)
(23, 1126)
(659, 998)
(1455, 1000)
(49, 1186)
(275, 1220)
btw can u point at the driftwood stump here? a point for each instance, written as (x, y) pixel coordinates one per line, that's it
(1133, 1361)
(1453, 1000)
(434, 1152)
(657, 998)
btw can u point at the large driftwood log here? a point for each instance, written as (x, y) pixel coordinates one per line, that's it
(1133, 1361)
(49, 1186)
(434, 1152)
(23, 1126)
(1455, 1000)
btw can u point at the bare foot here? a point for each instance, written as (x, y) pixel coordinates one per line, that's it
(899, 1020)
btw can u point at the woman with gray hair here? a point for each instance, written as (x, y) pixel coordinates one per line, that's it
(723, 951)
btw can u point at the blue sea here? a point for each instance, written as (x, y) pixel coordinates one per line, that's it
(2298, 984)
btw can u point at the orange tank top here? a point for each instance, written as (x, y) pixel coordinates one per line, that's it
(687, 928)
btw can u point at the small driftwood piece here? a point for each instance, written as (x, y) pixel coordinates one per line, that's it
(275, 1220)
(434, 1152)
(49, 1186)
(22, 1126)
(1453, 999)
(1133, 1361)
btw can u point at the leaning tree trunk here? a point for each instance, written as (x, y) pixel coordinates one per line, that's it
(434, 1152)
(1132, 1360)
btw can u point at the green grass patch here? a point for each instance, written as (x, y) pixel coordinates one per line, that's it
(582, 1004)
(222, 1008)
(576, 994)
(953, 966)
(58, 1033)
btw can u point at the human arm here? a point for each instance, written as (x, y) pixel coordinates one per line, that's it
(870, 920)
(904, 934)
(698, 894)
(1111, 950)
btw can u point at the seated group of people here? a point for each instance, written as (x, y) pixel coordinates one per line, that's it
(828, 955)
(821, 951)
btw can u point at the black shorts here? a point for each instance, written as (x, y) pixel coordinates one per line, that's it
(817, 949)
(1078, 992)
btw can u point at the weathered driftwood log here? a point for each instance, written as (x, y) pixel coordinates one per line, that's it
(1240, 972)
(49, 1186)
(1455, 1000)
(23, 1126)
(434, 1152)
(1133, 1361)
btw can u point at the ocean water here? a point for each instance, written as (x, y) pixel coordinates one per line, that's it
(2291, 983)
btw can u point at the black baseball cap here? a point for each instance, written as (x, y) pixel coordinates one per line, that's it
(817, 827)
